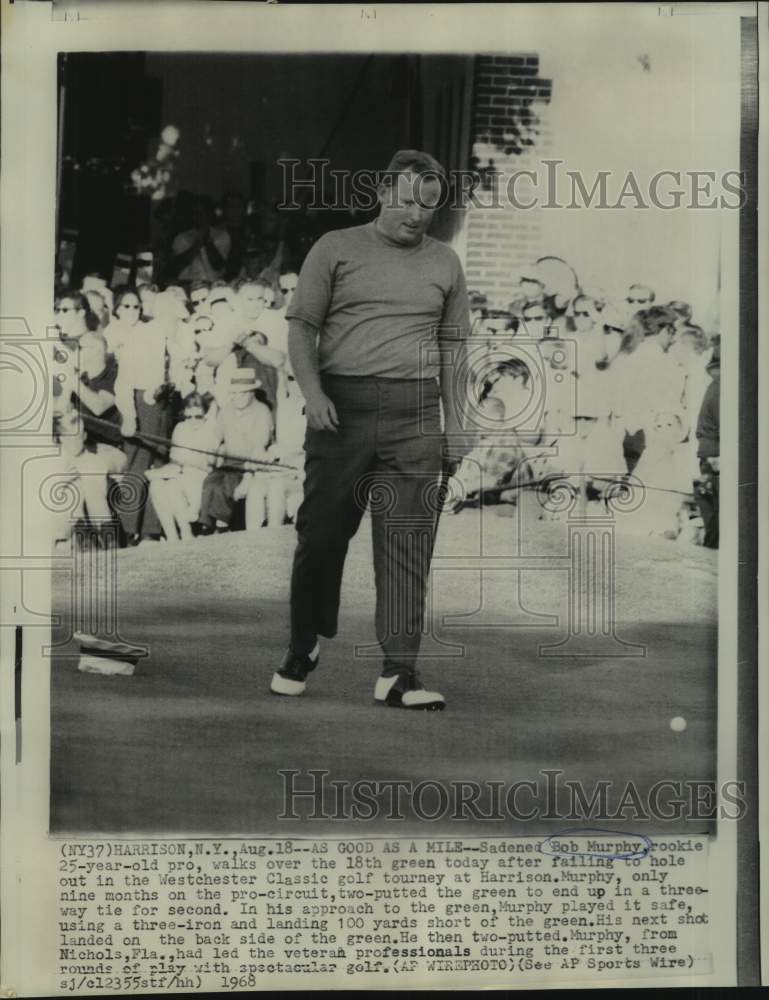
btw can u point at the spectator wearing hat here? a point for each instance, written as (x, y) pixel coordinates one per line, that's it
(245, 428)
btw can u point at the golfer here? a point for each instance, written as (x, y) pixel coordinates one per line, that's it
(376, 331)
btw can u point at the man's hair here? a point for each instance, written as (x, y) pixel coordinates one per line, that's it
(697, 334)
(242, 283)
(195, 399)
(79, 300)
(646, 323)
(656, 318)
(683, 309)
(516, 368)
(121, 293)
(582, 297)
(414, 161)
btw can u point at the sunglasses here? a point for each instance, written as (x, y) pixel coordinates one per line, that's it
(287, 288)
(637, 302)
(536, 319)
(128, 305)
(67, 309)
(581, 312)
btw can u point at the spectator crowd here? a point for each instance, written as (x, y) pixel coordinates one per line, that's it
(567, 385)
(178, 413)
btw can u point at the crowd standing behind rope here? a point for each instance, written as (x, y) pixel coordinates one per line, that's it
(182, 397)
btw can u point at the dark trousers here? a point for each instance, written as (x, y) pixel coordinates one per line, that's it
(633, 446)
(706, 494)
(217, 502)
(157, 419)
(386, 455)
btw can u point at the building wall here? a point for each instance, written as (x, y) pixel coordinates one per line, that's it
(509, 133)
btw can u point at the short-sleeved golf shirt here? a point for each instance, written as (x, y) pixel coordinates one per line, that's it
(378, 305)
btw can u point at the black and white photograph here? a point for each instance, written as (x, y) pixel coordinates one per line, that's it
(346, 450)
(381, 489)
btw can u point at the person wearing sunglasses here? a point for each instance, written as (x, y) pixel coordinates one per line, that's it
(127, 315)
(74, 317)
(638, 297)
(534, 320)
(140, 347)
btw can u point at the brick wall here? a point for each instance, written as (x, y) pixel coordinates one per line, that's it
(509, 133)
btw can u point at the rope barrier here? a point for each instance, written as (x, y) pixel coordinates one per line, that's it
(235, 463)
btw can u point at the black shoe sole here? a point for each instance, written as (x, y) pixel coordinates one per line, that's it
(435, 706)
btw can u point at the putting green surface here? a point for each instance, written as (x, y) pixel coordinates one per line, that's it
(193, 742)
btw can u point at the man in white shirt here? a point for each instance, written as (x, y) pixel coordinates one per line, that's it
(647, 383)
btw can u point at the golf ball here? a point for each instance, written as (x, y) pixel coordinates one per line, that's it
(678, 724)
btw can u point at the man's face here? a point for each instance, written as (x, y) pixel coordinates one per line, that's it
(194, 411)
(531, 290)
(128, 310)
(534, 320)
(583, 316)
(254, 299)
(69, 317)
(240, 398)
(288, 283)
(493, 326)
(665, 336)
(408, 207)
(638, 297)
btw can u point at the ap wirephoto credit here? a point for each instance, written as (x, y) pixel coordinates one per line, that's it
(377, 615)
